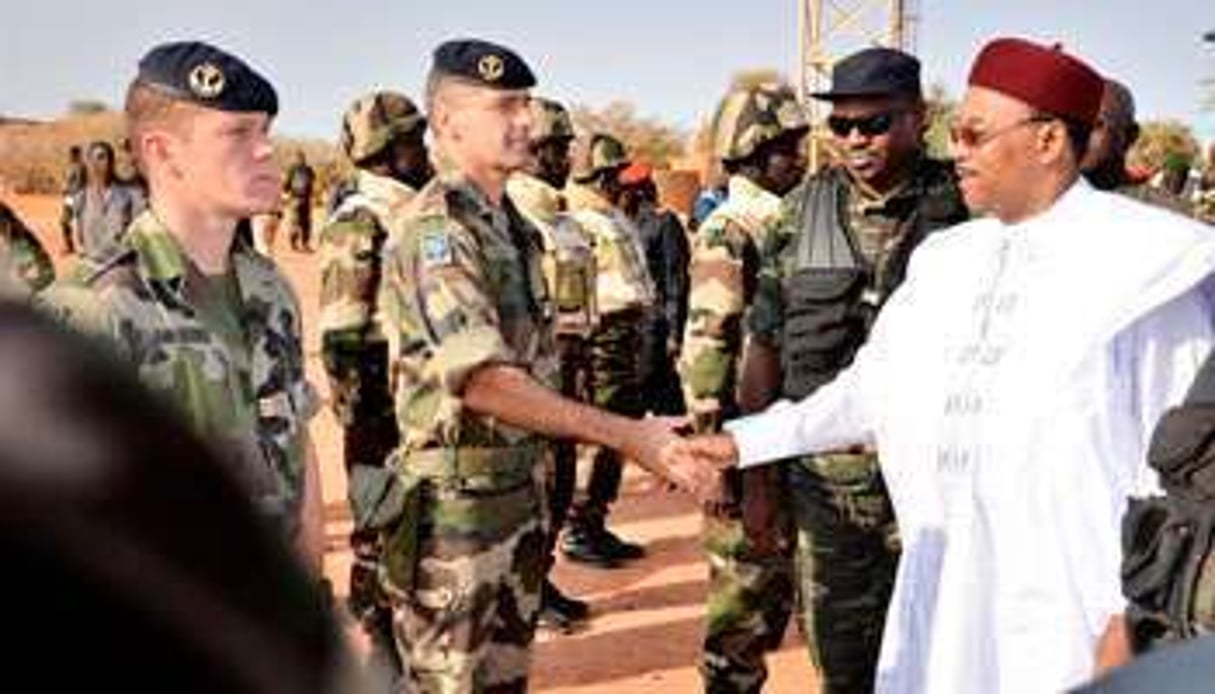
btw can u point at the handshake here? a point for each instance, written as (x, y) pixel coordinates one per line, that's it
(694, 464)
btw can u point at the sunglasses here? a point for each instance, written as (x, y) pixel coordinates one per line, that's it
(970, 137)
(869, 126)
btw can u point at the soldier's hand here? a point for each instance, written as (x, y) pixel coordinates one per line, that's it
(696, 466)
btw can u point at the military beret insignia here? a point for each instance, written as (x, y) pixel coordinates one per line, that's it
(490, 67)
(207, 80)
(487, 64)
(436, 249)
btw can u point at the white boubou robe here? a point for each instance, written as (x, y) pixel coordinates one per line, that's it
(1010, 386)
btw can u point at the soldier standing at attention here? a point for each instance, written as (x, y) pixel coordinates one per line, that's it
(759, 138)
(207, 321)
(465, 297)
(625, 293)
(73, 182)
(838, 251)
(298, 186)
(382, 135)
(569, 274)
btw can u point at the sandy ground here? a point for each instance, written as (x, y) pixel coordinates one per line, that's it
(647, 617)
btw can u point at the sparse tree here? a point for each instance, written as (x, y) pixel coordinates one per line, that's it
(1164, 141)
(647, 138)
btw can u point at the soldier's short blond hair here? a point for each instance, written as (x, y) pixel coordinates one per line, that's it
(147, 108)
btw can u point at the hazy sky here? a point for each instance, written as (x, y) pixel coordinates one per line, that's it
(670, 58)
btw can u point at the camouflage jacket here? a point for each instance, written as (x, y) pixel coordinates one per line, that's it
(570, 270)
(724, 268)
(351, 246)
(25, 266)
(254, 403)
(462, 289)
(624, 281)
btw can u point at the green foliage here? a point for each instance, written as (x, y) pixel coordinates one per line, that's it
(1161, 143)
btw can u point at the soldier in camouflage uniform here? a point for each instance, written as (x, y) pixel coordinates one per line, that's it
(759, 138)
(569, 274)
(382, 135)
(624, 293)
(837, 251)
(298, 187)
(471, 319)
(25, 266)
(206, 321)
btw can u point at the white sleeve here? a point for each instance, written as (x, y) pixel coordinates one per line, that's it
(1160, 355)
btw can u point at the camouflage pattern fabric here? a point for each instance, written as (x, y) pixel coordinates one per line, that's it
(463, 289)
(847, 547)
(1158, 197)
(374, 121)
(354, 351)
(624, 292)
(25, 266)
(750, 592)
(747, 118)
(550, 120)
(570, 275)
(233, 364)
(601, 152)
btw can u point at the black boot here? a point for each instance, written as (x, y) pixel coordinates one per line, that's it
(560, 612)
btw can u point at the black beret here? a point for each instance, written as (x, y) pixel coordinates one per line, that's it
(205, 75)
(874, 72)
(485, 63)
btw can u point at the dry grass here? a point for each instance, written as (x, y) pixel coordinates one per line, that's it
(33, 155)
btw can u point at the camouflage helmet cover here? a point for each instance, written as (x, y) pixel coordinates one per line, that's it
(601, 153)
(374, 120)
(750, 116)
(550, 121)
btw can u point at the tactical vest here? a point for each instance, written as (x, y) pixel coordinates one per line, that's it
(571, 271)
(1168, 566)
(831, 292)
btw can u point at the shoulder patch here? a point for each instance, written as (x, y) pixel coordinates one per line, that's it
(435, 248)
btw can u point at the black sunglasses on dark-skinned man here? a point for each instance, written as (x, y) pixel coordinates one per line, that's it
(869, 126)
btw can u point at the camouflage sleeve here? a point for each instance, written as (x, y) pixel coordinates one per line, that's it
(350, 245)
(438, 300)
(30, 261)
(765, 322)
(723, 264)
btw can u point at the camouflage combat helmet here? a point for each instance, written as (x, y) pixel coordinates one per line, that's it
(751, 116)
(601, 153)
(550, 121)
(373, 120)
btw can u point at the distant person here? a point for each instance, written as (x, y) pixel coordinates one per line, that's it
(73, 181)
(207, 322)
(1104, 165)
(121, 528)
(126, 168)
(298, 187)
(105, 206)
(25, 267)
(665, 246)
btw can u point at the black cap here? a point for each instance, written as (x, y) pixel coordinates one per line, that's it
(485, 63)
(208, 76)
(874, 72)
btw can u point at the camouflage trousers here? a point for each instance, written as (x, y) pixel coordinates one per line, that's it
(466, 620)
(847, 553)
(562, 477)
(367, 441)
(616, 387)
(751, 596)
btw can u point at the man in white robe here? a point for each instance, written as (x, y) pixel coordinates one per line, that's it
(1010, 386)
